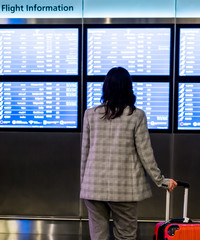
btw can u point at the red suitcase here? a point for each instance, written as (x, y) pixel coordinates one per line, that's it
(177, 229)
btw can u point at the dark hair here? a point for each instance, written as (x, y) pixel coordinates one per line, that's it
(117, 93)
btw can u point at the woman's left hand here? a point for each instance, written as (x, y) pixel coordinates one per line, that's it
(172, 185)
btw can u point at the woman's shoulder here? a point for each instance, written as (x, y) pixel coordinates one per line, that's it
(139, 113)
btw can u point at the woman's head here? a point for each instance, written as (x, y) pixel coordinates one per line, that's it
(117, 92)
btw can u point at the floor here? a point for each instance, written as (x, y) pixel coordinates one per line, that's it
(58, 230)
(41, 237)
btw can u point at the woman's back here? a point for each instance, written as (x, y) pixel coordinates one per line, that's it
(116, 152)
(113, 169)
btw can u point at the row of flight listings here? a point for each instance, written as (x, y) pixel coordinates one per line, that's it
(40, 73)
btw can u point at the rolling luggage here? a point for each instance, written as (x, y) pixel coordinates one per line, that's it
(177, 229)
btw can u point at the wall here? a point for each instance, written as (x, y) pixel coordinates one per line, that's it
(39, 171)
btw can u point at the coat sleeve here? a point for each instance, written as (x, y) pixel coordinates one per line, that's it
(85, 145)
(145, 153)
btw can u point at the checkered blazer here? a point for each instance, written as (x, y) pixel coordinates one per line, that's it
(116, 154)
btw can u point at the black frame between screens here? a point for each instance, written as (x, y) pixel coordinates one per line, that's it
(169, 130)
(61, 79)
(171, 26)
(48, 78)
(50, 26)
(176, 130)
(143, 78)
(182, 79)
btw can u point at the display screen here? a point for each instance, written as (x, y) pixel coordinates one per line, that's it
(189, 106)
(39, 51)
(142, 51)
(152, 97)
(39, 105)
(189, 52)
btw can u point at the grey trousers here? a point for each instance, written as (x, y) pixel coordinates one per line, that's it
(124, 216)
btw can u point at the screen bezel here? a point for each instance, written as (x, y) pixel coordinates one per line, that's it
(141, 78)
(48, 78)
(169, 130)
(176, 130)
(178, 77)
(50, 26)
(151, 77)
(182, 79)
(35, 129)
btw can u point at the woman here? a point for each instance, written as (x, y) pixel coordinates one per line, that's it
(116, 154)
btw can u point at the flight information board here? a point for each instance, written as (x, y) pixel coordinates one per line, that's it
(39, 51)
(39, 105)
(189, 52)
(142, 51)
(189, 106)
(152, 97)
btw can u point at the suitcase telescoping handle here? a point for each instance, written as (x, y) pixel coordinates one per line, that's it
(185, 204)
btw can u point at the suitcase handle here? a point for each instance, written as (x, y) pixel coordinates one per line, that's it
(185, 204)
(183, 184)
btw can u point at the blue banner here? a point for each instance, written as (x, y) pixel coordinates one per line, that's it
(188, 9)
(129, 8)
(41, 9)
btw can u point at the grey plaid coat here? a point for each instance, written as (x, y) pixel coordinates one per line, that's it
(116, 154)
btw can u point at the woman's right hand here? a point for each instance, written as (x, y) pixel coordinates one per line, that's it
(172, 184)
